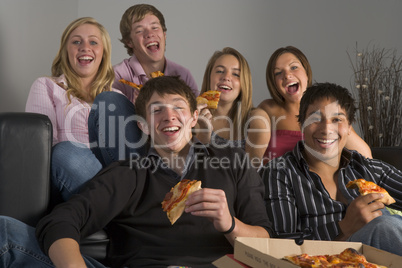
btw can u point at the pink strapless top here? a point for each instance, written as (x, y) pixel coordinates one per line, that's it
(282, 141)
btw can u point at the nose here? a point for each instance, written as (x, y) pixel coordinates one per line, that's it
(170, 114)
(148, 33)
(84, 46)
(326, 126)
(225, 76)
(288, 74)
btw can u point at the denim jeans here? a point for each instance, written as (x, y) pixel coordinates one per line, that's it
(384, 232)
(73, 164)
(113, 131)
(20, 248)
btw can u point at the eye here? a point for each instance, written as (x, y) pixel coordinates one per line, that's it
(277, 73)
(236, 74)
(155, 110)
(294, 67)
(337, 120)
(178, 108)
(76, 42)
(93, 43)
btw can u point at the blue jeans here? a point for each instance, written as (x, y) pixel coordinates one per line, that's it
(384, 232)
(113, 131)
(73, 164)
(20, 248)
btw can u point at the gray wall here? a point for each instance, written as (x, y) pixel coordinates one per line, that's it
(324, 30)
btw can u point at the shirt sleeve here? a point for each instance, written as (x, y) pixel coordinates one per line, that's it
(41, 100)
(104, 197)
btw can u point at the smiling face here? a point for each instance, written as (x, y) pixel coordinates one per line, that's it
(148, 40)
(290, 77)
(225, 77)
(326, 131)
(169, 122)
(85, 50)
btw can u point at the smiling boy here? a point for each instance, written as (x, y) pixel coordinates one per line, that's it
(306, 188)
(126, 198)
(143, 32)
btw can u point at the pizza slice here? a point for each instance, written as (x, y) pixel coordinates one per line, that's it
(349, 258)
(156, 74)
(210, 97)
(367, 187)
(131, 84)
(173, 203)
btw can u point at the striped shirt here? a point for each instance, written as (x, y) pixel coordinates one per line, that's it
(297, 199)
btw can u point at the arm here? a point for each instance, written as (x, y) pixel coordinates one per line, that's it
(40, 100)
(212, 203)
(65, 252)
(355, 142)
(258, 134)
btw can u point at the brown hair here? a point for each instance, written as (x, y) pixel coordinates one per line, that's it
(138, 12)
(164, 85)
(238, 113)
(270, 76)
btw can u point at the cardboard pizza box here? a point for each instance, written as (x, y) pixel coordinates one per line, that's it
(229, 261)
(268, 252)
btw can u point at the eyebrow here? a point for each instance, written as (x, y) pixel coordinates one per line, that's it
(221, 66)
(80, 36)
(319, 113)
(140, 25)
(160, 103)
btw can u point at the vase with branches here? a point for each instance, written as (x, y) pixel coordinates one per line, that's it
(377, 84)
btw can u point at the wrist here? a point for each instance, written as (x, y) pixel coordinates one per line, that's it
(231, 227)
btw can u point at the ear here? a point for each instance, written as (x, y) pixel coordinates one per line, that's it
(195, 118)
(143, 126)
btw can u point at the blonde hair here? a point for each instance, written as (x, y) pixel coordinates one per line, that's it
(270, 76)
(61, 65)
(238, 113)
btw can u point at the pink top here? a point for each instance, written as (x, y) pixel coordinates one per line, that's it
(70, 121)
(282, 141)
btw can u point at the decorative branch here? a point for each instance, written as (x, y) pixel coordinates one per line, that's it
(377, 84)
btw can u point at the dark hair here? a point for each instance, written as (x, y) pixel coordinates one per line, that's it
(320, 91)
(270, 76)
(164, 85)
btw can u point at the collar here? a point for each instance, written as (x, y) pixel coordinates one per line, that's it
(196, 147)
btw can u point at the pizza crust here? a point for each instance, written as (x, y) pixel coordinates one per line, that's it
(368, 187)
(175, 212)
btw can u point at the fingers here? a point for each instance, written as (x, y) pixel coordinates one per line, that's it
(207, 202)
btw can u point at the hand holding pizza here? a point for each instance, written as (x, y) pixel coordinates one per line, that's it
(212, 204)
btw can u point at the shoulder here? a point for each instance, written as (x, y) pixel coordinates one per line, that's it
(270, 106)
(122, 67)
(259, 118)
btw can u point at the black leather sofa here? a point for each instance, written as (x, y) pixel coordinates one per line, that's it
(25, 158)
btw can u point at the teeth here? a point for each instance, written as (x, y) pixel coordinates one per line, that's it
(291, 84)
(152, 44)
(85, 58)
(225, 87)
(171, 129)
(325, 141)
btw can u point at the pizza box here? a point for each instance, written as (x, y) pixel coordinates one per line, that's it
(268, 252)
(229, 261)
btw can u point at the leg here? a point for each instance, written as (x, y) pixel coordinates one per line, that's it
(384, 232)
(73, 164)
(113, 131)
(20, 248)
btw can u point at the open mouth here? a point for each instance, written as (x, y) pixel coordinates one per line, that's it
(154, 46)
(85, 59)
(171, 129)
(326, 142)
(292, 88)
(224, 87)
